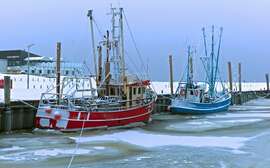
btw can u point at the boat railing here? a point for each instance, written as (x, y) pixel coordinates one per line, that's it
(89, 103)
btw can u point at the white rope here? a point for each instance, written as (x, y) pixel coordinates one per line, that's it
(76, 147)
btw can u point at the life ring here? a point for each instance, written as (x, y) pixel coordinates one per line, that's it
(182, 92)
(48, 111)
(57, 115)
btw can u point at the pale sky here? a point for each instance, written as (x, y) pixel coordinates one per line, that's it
(160, 28)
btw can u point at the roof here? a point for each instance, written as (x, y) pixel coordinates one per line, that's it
(38, 59)
(13, 54)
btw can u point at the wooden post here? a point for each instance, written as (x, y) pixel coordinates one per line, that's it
(58, 70)
(171, 73)
(267, 82)
(230, 76)
(8, 114)
(7, 85)
(239, 77)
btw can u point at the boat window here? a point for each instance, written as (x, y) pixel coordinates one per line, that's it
(40, 71)
(191, 92)
(66, 72)
(139, 90)
(134, 91)
(112, 90)
(143, 89)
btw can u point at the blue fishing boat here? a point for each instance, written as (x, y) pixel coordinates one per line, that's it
(204, 97)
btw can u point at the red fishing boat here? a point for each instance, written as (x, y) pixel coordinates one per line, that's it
(119, 98)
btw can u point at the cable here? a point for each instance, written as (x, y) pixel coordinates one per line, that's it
(76, 147)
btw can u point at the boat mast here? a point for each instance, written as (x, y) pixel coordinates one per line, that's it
(107, 63)
(90, 15)
(204, 42)
(217, 60)
(189, 82)
(122, 50)
(212, 82)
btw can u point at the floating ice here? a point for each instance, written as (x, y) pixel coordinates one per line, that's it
(241, 115)
(146, 139)
(99, 147)
(55, 152)
(13, 148)
(143, 157)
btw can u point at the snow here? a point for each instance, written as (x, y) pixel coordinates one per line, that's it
(164, 87)
(40, 84)
(37, 86)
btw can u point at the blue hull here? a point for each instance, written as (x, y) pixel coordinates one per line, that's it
(185, 107)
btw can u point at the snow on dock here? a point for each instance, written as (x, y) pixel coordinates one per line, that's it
(40, 84)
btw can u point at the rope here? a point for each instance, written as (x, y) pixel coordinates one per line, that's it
(99, 30)
(76, 147)
(28, 104)
(134, 42)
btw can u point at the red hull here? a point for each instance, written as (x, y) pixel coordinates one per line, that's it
(75, 119)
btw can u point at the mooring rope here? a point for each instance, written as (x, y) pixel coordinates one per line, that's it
(28, 104)
(77, 146)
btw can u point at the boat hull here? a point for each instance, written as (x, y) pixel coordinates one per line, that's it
(186, 107)
(65, 120)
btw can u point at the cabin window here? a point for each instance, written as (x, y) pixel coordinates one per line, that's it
(66, 72)
(134, 91)
(73, 73)
(40, 71)
(33, 71)
(139, 90)
(143, 90)
(112, 91)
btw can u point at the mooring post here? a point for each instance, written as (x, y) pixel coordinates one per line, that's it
(7, 110)
(230, 76)
(239, 77)
(171, 73)
(58, 70)
(267, 82)
(240, 83)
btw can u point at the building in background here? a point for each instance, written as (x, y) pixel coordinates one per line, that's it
(16, 62)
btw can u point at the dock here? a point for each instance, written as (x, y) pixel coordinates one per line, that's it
(20, 115)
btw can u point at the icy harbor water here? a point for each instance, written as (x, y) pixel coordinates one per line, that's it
(238, 138)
